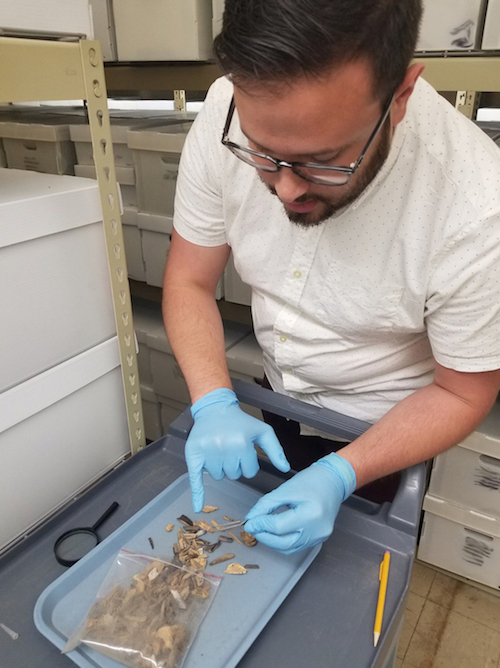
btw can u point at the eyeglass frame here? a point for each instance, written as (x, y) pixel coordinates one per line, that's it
(294, 165)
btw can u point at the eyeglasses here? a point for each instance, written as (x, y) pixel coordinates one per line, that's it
(324, 175)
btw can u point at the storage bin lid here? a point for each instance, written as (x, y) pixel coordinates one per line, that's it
(464, 516)
(168, 138)
(33, 205)
(246, 357)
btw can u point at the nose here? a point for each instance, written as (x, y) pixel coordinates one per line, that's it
(288, 185)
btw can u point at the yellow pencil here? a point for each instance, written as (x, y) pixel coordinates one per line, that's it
(383, 575)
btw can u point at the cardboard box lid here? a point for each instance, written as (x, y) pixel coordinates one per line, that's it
(52, 17)
(486, 437)
(147, 318)
(246, 357)
(122, 124)
(38, 393)
(129, 216)
(233, 332)
(39, 127)
(464, 516)
(148, 394)
(34, 205)
(154, 222)
(124, 175)
(168, 138)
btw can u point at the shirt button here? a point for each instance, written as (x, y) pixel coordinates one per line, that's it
(282, 339)
(288, 371)
(297, 274)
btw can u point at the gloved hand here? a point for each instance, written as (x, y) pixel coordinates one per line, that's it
(222, 442)
(313, 495)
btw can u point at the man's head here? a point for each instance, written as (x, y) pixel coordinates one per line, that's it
(312, 78)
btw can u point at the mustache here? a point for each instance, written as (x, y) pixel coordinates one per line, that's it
(302, 198)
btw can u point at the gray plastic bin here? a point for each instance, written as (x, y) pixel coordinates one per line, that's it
(327, 619)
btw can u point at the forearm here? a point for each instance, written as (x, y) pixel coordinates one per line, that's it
(421, 426)
(195, 332)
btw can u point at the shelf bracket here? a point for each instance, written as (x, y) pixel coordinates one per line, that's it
(180, 100)
(96, 96)
(467, 103)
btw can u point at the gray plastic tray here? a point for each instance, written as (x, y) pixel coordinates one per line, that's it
(241, 608)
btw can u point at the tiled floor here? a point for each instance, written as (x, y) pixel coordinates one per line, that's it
(448, 624)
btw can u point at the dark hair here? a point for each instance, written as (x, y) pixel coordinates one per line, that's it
(271, 41)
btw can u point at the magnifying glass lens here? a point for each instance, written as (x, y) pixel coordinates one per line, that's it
(76, 545)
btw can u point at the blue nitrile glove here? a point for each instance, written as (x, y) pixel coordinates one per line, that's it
(222, 442)
(313, 495)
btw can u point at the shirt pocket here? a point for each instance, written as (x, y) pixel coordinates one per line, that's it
(354, 304)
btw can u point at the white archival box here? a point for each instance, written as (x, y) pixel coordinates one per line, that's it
(451, 25)
(147, 318)
(157, 152)
(461, 541)
(104, 27)
(217, 12)
(491, 33)
(163, 29)
(46, 17)
(125, 177)
(155, 247)
(55, 293)
(40, 142)
(234, 289)
(59, 431)
(132, 238)
(245, 362)
(170, 411)
(168, 380)
(152, 413)
(469, 474)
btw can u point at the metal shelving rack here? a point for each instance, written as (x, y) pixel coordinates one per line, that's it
(34, 70)
(467, 73)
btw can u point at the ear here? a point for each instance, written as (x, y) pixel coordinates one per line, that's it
(403, 93)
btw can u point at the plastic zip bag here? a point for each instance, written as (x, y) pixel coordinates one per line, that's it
(147, 612)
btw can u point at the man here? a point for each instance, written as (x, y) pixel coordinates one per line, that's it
(364, 211)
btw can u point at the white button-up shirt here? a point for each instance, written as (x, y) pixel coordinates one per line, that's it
(351, 313)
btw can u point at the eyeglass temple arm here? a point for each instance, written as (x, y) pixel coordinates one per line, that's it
(229, 118)
(375, 132)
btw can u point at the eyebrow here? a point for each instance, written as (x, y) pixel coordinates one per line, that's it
(332, 151)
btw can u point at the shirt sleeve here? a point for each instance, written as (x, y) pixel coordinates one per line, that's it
(463, 309)
(198, 211)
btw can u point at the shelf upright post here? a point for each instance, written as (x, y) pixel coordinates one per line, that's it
(100, 129)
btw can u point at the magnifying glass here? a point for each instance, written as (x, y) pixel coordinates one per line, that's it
(74, 544)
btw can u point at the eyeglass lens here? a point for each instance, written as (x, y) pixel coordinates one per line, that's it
(317, 175)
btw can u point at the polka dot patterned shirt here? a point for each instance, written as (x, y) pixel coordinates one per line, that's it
(351, 314)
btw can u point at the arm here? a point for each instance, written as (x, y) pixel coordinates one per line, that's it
(421, 426)
(428, 422)
(223, 436)
(192, 319)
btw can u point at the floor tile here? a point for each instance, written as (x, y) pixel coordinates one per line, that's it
(421, 579)
(446, 639)
(414, 605)
(466, 600)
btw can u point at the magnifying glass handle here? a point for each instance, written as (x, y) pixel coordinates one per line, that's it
(105, 516)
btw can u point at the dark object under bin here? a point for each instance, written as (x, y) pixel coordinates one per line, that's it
(326, 621)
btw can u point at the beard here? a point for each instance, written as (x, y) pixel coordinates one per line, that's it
(332, 205)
